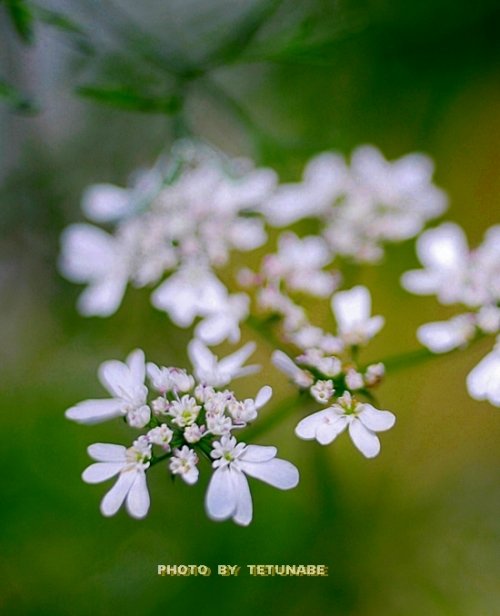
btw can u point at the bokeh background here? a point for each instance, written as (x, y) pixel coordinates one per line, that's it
(90, 98)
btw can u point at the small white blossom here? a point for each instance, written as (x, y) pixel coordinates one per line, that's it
(218, 373)
(322, 391)
(169, 379)
(194, 433)
(184, 463)
(161, 435)
(130, 464)
(228, 494)
(374, 374)
(354, 380)
(218, 424)
(247, 410)
(362, 419)
(352, 310)
(184, 411)
(160, 406)
(488, 319)
(125, 382)
(224, 322)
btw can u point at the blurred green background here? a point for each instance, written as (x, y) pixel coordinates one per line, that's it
(415, 531)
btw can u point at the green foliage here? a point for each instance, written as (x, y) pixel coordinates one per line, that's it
(129, 99)
(16, 100)
(21, 15)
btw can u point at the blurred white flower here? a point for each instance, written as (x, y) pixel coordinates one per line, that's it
(223, 323)
(362, 419)
(125, 382)
(245, 411)
(184, 463)
(130, 464)
(444, 336)
(352, 310)
(483, 382)
(228, 494)
(301, 378)
(218, 373)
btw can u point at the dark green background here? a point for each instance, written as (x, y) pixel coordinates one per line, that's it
(415, 531)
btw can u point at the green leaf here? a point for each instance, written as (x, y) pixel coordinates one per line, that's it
(128, 99)
(22, 18)
(15, 99)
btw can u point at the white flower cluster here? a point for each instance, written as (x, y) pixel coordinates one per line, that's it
(184, 418)
(457, 275)
(328, 368)
(183, 218)
(362, 205)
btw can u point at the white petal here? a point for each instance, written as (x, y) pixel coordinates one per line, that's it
(244, 507)
(285, 364)
(216, 328)
(365, 440)
(107, 452)
(441, 336)
(103, 298)
(264, 395)
(137, 502)
(326, 433)
(276, 472)
(306, 428)
(191, 477)
(374, 325)
(258, 453)
(374, 419)
(101, 471)
(94, 411)
(221, 500)
(443, 247)
(483, 382)
(105, 202)
(116, 377)
(87, 253)
(351, 307)
(137, 365)
(232, 363)
(115, 497)
(200, 357)
(421, 282)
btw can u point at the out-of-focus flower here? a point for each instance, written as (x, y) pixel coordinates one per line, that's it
(125, 382)
(362, 419)
(301, 378)
(212, 371)
(228, 494)
(184, 463)
(444, 336)
(483, 382)
(130, 464)
(352, 310)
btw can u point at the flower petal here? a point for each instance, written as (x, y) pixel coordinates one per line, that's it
(306, 428)
(276, 472)
(221, 500)
(138, 501)
(101, 471)
(232, 363)
(107, 452)
(137, 366)
(328, 432)
(244, 507)
(94, 411)
(351, 307)
(258, 453)
(365, 440)
(115, 497)
(443, 247)
(374, 419)
(263, 396)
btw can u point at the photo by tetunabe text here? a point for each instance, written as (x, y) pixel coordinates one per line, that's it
(236, 570)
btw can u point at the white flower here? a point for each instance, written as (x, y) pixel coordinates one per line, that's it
(374, 374)
(183, 463)
(452, 272)
(444, 336)
(194, 433)
(354, 380)
(322, 391)
(228, 494)
(184, 411)
(218, 424)
(224, 322)
(218, 373)
(125, 382)
(161, 435)
(352, 310)
(169, 379)
(192, 291)
(300, 377)
(483, 382)
(246, 411)
(488, 319)
(363, 421)
(299, 262)
(90, 255)
(130, 464)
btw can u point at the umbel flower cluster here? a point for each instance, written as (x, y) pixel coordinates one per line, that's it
(175, 229)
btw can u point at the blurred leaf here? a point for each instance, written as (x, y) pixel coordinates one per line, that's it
(126, 98)
(22, 18)
(15, 99)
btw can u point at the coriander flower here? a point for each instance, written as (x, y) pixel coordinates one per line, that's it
(130, 466)
(210, 370)
(362, 419)
(228, 494)
(483, 382)
(444, 336)
(183, 463)
(125, 382)
(352, 310)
